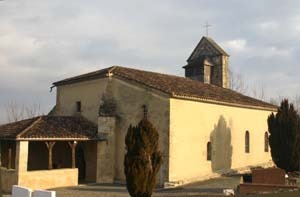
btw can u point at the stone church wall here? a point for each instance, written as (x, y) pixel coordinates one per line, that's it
(129, 97)
(194, 124)
(89, 93)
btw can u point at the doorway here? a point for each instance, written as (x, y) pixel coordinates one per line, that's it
(80, 162)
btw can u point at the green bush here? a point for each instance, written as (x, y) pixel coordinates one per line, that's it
(284, 139)
(142, 160)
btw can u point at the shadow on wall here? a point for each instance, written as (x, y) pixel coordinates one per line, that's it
(221, 147)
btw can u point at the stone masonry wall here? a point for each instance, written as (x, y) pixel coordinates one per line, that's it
(8, 179)
(106, 150)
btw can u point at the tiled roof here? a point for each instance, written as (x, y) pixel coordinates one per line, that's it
(173, 85)
(49, 127)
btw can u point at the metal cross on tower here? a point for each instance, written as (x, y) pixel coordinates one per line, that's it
(207, 25)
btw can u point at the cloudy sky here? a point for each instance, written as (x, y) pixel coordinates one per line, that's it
(42, 41)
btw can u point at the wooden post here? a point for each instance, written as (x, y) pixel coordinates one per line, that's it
(73, 146)
(9, 158)
(50, 147)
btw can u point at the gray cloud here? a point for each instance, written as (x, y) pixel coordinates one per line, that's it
(45, 41)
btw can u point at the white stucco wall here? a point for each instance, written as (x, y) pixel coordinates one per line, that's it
(191, 127)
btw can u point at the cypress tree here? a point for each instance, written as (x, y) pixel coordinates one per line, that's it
(142, 160)
(284, 139)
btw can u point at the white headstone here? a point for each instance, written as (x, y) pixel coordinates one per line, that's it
(44, 193)
(228, 192)
(18, 191)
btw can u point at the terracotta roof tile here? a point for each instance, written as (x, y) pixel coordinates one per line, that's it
(173, 85)
(42, 127)
(11, 130)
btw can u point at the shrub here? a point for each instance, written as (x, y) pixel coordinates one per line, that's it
(284, 139)
(142, 160)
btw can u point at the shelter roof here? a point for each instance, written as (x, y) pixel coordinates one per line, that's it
(49, 128)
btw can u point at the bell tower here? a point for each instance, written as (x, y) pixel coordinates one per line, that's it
(208, 63)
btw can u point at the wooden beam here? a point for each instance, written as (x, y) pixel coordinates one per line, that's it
(73, 148)
(9, 157)
(50, 147)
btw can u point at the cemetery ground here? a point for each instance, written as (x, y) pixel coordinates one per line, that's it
(212, 187)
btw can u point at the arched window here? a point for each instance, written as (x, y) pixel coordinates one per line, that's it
(247, 142)
(208, 149)
(266, 142)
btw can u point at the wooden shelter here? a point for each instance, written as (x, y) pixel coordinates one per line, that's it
(42, 144)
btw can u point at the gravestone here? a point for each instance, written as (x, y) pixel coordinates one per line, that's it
(18, 191)
(274, 176)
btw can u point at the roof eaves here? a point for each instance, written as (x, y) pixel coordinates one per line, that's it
(195, 49)
(208, 100)
(106, 72)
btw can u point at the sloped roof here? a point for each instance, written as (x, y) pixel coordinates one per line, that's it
(174, 86)
(217, 47)
(49, 127)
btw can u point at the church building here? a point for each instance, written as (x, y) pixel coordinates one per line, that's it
(205, 129)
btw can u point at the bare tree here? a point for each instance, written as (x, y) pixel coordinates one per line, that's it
(32, 110)
(296, 102)
(16, 111)
(237, 82)
(274, 101)
(258, 92)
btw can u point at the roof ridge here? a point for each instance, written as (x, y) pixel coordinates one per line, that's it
(148, 71)
(104, 70)
(180, 77)
(166, 83)
(29, 127)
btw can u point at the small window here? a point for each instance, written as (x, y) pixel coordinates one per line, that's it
(247, 142)
(78, 106)
(266, 142)
(208, 149)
